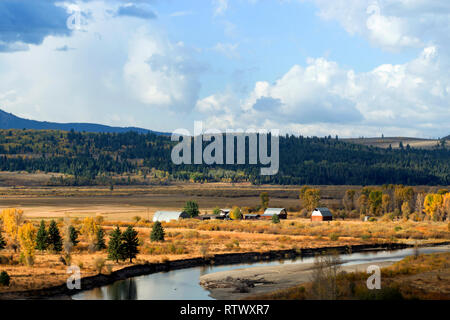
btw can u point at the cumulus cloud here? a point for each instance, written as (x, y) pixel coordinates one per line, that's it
(323, 96)
(392, 24)
(26, 22)
(121, 67)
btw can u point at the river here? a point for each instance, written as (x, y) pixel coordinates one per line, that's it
(183, 284)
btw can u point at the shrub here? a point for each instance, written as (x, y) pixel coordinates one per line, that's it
(4, 279)
(99, 264)
(157, 233)
(334, 237)
(275, 219)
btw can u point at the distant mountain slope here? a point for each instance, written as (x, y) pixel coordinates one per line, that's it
(394, 142)
(10, 121)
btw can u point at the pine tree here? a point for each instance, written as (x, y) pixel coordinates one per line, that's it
(73, 235)
(42, 237)
(157, 233)
(100, 242)
(275, 219)
(130, 243)
(115, 246)
(2, 241)
(54, 237)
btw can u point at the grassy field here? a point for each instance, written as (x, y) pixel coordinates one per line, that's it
(188, 238)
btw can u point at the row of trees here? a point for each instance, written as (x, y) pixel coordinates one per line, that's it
(398, 201)
(95, 158)
(26, 237)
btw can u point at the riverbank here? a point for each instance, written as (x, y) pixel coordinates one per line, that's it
(243, 283)
(262, 281)
(62, 292)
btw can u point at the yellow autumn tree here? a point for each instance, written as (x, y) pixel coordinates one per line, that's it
(236, 214)
(27, 239)
(89, 229)
(432, 204)
(12, 220)
(446, 205)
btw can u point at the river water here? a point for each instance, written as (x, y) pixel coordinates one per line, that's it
(183, 284)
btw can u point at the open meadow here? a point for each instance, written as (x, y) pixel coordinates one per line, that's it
(188, 238)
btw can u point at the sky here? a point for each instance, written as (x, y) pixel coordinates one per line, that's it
(351, 68)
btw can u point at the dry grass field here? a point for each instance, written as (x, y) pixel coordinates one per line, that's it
(187, 238)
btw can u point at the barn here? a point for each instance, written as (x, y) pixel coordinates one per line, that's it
(167, 216)
(269, 212)
(321, 214)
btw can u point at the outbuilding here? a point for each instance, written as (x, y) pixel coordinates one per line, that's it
(321, 214)
(251, 216)
(167, 216)
(269, 212)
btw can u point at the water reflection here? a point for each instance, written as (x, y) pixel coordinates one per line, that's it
(184, 284)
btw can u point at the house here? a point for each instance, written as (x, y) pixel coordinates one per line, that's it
(167, 216)
(251, 216)
(321, 214)
(270, 212)
(225, 212)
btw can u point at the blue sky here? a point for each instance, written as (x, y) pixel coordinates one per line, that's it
(313, 67)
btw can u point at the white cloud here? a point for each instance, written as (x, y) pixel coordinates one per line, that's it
(220, 6)
(392, 24)
(118, 67)
(230, 50)
(325, 98)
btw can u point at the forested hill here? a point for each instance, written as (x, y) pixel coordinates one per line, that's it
(107, 158)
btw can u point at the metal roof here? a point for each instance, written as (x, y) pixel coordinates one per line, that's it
(272, 211)
(324, 212)
(167, 216)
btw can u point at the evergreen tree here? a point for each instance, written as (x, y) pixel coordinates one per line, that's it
(73, 235)
(42, 237)
(2, 241)
(100, 242)
(115, 246)
(275, 219)
(191, 208)
(54, 237)
(157, 233)
(130, 244)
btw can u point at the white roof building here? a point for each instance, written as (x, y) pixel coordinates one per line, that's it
(167, 216)
(274, 211)
(321, 212)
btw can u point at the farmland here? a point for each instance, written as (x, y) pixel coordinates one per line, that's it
(190, 238)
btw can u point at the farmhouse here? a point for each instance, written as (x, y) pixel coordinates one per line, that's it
(270, 212)
(321, 214)
(167, 216)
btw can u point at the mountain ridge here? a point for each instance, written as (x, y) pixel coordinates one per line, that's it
(11, 121)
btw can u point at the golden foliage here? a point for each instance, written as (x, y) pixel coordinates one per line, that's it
(433, 202)
(89, 227)
(12, 219)
(27, 239)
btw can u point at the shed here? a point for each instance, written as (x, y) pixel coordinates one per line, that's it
(167, 216)
(224, 212)
(251, 216)
(321, 214)
(280, 212)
